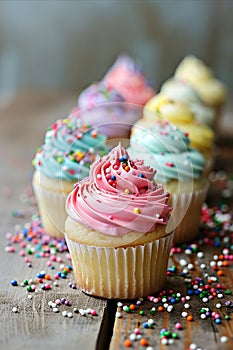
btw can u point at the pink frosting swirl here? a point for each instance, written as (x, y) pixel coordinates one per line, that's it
(119, 196)
(126, 77)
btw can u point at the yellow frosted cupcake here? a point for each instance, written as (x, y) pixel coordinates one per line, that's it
(177, 90)
(62, 161)
(196, 73)
(180, 170)
(116, 229)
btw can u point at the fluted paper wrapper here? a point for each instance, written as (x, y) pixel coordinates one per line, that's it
(52, 209)
(123, 273)
(190, 204)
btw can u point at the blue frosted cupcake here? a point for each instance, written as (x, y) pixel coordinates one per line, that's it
(64, 159)
(180, 169)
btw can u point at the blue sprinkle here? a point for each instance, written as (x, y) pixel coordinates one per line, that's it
(113, 177)
(217, 321)
(40, 275)
(141, 175)
(14, 283)
(145, 325)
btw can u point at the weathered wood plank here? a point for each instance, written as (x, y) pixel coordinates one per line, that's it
(205, 333)
(35, 325)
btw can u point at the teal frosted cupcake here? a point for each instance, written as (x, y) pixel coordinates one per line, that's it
(64, 159)
(180, 170)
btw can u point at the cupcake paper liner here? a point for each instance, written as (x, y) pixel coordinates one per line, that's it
(52, 209)
(187, 227)
(123, 273)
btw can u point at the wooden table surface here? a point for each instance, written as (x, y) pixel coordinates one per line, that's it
(24, 119)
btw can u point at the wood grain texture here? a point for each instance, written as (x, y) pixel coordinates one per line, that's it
(204, 333)
(23, 122)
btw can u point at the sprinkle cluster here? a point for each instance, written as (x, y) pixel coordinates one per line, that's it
(198, 286)
(69, 145)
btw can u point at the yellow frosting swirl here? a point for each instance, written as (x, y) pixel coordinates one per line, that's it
(174, 111)
(195, 72)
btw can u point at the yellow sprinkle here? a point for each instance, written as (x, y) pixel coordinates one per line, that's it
(79, 154)
(126, 191)
(137, 210)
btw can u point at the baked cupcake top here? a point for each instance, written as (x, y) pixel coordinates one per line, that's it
(167, 148)
(127, 77)
(195, 72)
(119, 196)
(177, 90)
(69, 149)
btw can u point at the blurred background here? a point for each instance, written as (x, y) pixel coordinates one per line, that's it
(68, 44)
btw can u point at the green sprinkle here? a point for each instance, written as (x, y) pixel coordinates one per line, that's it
(227, 292)
(127, 309)
(167, 334)
(175, 336)
(141, 312)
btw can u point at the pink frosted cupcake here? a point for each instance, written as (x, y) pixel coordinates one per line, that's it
(116, 229)
(127, 77)
(104, 107)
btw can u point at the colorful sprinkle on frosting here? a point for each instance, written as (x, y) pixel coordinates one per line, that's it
(167, 149)
(119, 196)
(69, 150)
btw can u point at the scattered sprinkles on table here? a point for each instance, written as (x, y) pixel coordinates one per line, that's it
(207, 290)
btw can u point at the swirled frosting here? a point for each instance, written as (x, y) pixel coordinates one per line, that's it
(161, 107)
(103, 106)
(119, 196)
(167, 148)
(174, 111)
(69, 150)
(127, 77)
(180, 91)
(196, 73)
(97, 94)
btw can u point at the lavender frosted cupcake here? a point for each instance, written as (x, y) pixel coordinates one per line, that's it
(105, 108)
(63, 160)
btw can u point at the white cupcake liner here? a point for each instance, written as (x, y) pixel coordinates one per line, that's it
(123, 273)
(52, 209)
(186, 214)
